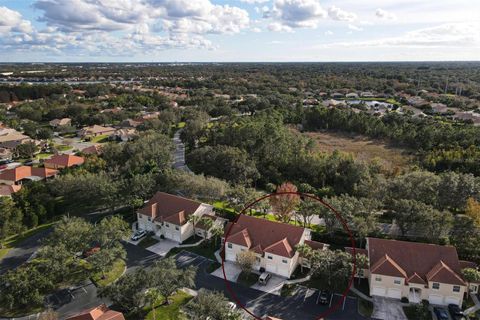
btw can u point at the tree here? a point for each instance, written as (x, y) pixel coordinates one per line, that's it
(283, 205)
(210, 305)
(473, 211)
(128, 291)
(305, 253)
(334, 266)
(74, 233)
(104, 258)
(307, 210)
(167, 278)
(153, 296)
(207, 224)
(471, 275)
(54, 261)
(466, 238)
(216, 231)
(26, 150)
(246, 260)
(10, 218)
(110, 231)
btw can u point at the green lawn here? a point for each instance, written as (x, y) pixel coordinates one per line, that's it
(112, 275)
(100, 139)
(21, 313)
(147, 242)
(288, 290)
(246, 279)
(63, 147)
(12, 241)
(44, 155)
(171, 311)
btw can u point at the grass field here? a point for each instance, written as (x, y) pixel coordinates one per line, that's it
(171, 311)
(110, 276)
(362, 147)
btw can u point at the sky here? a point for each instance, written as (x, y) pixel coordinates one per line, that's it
(238, 30)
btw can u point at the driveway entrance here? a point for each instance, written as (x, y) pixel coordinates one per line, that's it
(387, 309)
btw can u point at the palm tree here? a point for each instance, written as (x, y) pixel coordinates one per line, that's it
(207, 224)
(194, 219)
(305, 251)
(153, 296)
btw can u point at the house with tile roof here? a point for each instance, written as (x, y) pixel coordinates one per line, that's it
(8, 190)
(95, 130)
(272, 242)
(62, 161)
(168, 216)
(22, 174)
(417, 271)
(98, 313)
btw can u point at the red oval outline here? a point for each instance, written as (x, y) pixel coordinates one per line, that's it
(301, 194)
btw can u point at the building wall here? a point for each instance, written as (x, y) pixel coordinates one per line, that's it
(7, 182)
(387, 282)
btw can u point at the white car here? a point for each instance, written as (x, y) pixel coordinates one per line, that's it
(139, 234)
(263, 278)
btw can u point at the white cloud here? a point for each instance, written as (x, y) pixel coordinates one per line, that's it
(354, 27)
(11, 21)
(459, 35)
(254, 1)
(256, 29)
(328, 33)
(298, 13)
(341, 15)
(383, 14)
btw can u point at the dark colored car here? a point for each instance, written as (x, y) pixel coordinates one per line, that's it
(441, 313)
(456, 312)
(324, 297)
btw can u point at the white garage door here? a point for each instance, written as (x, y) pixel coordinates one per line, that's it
(394, 293)
(378, 291)
(270, 267)
(435, 299)
(230, 256)
(452, 300)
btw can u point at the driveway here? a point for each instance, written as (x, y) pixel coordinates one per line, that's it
(163, 247)
(387, 309)
(232, 271)
(274, 285)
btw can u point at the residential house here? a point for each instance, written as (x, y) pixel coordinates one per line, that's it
(417, 271)
(12, 139)
(129, 123)
(474, 287)
(22, 174)
(168, 216)
(367, 94)
(352, 95)
(201, 228)
(60, 122)
(359, 272)
(62, 161)
(98, 313)
(468, 116)
(8, 190)
(94, 131)
(124, 134)
(272, 242)
(95, 149)
(439, 108)
(337, 95)
(5, 154)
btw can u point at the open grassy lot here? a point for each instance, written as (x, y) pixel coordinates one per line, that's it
(110, 276)
(171, 311)
(362, 147)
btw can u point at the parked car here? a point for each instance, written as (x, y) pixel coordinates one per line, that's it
(3, 166)
(324, 297)
(139, 234)
(441, 313)
(456, 312)
(263, 278)
(89, 252)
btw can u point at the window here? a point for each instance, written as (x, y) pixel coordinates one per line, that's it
(229, 246)
(456, 288)
(436, 285)
(269, 257)
(378, 278)
(176, 228)
(284, 260)
(396, 281)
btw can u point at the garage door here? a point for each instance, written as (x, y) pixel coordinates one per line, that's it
(270, 267)
(378, 291)
(435, 299)
(452, 300)
(394, 293)
(230, 256)
(168, 235)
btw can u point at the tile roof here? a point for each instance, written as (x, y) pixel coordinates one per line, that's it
(415, 278)
(95, 149)
(315, 245)
(274, 237)
(163, 206)
(23, 172)
(6, 190)
(405, 259)
(65, 160)
(98, 313)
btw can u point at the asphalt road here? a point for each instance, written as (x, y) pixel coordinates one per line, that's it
(20, 254)
(179, 155)
(260, 303)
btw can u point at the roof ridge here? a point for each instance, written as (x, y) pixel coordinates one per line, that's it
(386, 258)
